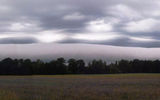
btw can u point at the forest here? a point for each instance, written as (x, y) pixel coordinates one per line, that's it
(10, 66)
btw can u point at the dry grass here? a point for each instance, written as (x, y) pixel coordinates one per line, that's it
(81, 87)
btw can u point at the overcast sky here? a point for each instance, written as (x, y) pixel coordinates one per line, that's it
(107, 22)
(87, 52)
(131, 23)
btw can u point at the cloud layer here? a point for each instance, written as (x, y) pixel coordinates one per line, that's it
(108, 22)
(87, 52)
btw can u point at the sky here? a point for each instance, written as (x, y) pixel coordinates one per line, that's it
(87, 52)
(126, 24)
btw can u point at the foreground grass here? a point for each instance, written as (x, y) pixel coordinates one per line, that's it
(81, 87)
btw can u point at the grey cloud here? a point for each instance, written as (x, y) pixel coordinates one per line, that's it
(121, 41)
(15, 40)
(48, 15)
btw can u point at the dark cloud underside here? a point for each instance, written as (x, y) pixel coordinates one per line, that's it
(18, 40)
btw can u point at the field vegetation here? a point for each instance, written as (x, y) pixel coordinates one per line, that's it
(81, 87)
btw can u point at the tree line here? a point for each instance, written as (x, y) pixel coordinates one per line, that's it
(10, 66)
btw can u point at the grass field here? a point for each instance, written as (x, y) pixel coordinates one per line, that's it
(81, 87)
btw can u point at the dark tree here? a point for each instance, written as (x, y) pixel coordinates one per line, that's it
(10, 66)
(72, 66)
(97, 67)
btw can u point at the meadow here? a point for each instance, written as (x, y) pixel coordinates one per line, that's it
(81, 87)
